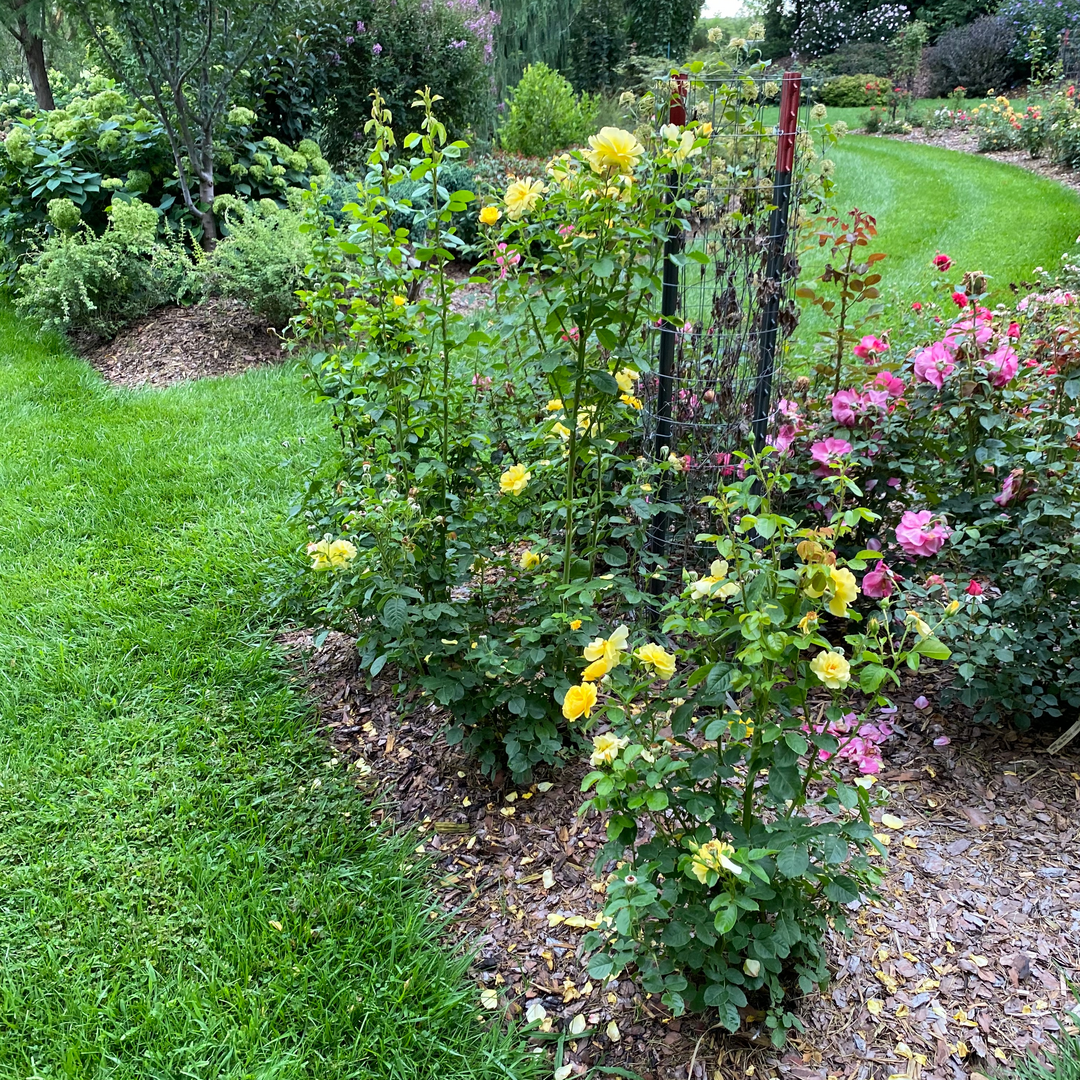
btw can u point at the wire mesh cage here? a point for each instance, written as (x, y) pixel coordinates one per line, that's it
(729, 285)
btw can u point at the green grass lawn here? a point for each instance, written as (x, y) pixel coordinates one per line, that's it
(985, 214)
(187, 888)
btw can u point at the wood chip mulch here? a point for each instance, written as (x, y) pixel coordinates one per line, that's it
(174, 344)
(960, 966)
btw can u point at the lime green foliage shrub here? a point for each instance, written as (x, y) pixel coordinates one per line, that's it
(545, 115)
(853, 91)
(82, 281)
(99, 142)
(261, 257)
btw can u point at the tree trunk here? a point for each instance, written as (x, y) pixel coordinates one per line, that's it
(34, 51)
(206, 198)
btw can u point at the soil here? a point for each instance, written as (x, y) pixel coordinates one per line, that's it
(959, 967)
(966, 141)
(173, 344)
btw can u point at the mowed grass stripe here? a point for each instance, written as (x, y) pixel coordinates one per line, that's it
(164, 805)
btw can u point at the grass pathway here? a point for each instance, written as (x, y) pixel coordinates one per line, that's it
(187, 889)
(986, 214)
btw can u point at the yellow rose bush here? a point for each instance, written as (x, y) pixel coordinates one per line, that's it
(733, 756)
(490, 465)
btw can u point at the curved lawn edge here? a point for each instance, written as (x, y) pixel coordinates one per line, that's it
(191, 887)
(987, 215)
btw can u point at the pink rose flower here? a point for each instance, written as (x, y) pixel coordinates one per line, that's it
(959, 299)
(921, 534)
(1003, 364)
(942, 262)
(916, 307)
(1014, 331)
(878, 583)
(785, 437)
(888, 382)
(934, 364)
(829, 451)
(846, 404)
(1014, 489)
(869, 347)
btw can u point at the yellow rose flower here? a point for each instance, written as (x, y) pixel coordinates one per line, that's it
(490, 215)
(575, 624)
(561, 430)
(597, 670)
(922, 628)
(579, 701)
(529, 560)
(633, 402)
(706, 586)
(400, 301)
(832, 669)
(662, 662)
(610, 649)
(605, 749)
(842, 590)
(626, 378)
(713, 856)
(521, 197)
(614, 150)
(554, 405)
(515, 480)
(331, 554)
(808, 622)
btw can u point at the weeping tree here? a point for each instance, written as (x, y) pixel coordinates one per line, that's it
(182, 60)
(27, 22)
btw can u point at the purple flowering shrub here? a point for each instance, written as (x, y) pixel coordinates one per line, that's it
(400, 46)
(961, 432)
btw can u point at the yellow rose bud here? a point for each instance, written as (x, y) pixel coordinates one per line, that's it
(575, 624)
(400, 301)
(490, 215)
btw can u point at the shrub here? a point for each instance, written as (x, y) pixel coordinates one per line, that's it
(862, 59)
(545, 116)
(827, 26)
(976, 56)
(853, 91)
(967, 440)
(261, 257)
(1038, 21)
(400, 46)
(465, 441)
(100, 143)
(996, 125)
(1061, 120)
(738, 842)
(82, 281)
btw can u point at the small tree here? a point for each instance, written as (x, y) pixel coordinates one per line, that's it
(181, 59)
(26, 22)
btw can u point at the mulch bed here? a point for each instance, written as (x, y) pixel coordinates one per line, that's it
(173, 344)
(961, 965)
(966, 142)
